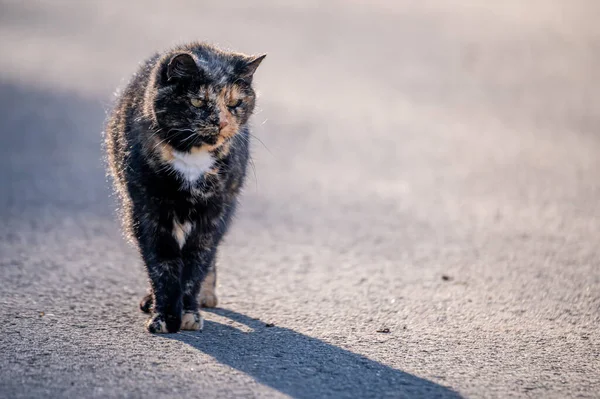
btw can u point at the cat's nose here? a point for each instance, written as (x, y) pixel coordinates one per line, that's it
(223, 123)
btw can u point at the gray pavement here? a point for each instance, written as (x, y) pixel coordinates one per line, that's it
(431, 169)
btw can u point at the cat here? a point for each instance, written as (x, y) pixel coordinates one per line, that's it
(177, 146)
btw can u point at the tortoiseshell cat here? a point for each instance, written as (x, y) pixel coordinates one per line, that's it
(177, 144)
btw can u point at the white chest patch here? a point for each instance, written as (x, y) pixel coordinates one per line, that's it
(192, 165)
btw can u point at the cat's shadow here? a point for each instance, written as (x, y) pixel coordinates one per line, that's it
(300, 366)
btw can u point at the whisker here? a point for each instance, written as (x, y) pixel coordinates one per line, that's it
(187, 138)
(159, 143)
(260, 141)
(181, 130)
(250, 160)
(253, 172)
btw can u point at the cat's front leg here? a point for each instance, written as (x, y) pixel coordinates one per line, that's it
(168, 296)
(164, 264)
(199, 265)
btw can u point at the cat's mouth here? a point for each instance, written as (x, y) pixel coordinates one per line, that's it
(209, 138)
(211, 143)
(214, 139)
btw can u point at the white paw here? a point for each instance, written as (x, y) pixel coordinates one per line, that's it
(192, 321)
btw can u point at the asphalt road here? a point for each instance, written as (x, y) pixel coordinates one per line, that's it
(431, 169)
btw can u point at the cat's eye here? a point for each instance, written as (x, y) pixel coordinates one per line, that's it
(234, 104)
(197, 102)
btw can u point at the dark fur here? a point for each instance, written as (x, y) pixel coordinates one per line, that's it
(152, 119)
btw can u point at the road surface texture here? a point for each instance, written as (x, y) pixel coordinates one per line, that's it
(423, 218)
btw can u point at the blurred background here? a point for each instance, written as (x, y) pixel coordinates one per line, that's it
(427, 168)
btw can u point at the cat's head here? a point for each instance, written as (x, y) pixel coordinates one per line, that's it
(201, 96)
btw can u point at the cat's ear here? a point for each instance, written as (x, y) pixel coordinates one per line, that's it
(182, 66)
(250, 65)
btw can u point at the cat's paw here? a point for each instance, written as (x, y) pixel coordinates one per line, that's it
(157, 324)
(161, 324)
(146, 303)
(208, 299)
(192, 320)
